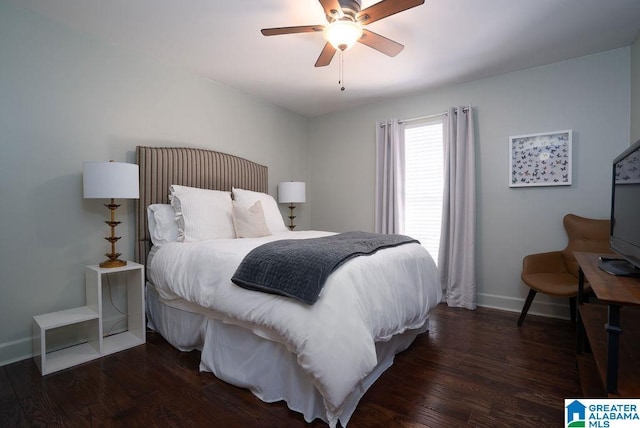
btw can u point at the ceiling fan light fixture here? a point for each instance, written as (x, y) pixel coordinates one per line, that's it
(342, 34)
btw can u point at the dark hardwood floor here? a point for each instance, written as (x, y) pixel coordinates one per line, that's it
(473, 368)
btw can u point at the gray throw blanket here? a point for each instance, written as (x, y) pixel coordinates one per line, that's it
(298, 268)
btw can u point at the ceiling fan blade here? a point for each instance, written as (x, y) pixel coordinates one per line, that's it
(385, 8)
(332, 8)
(291, 30)
(380, 43)
(326, 55)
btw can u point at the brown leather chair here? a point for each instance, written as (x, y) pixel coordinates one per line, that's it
(556, 272)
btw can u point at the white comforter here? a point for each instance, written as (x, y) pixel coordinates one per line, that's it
(367, 299)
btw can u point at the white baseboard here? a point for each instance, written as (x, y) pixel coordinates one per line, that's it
(16, 350)
(542, 305)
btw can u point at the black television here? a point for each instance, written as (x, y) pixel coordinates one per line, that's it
(624, 238)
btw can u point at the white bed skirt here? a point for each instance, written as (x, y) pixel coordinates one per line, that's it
(240, 357)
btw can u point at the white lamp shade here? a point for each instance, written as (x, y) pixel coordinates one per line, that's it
(107, 180)
(292, 191)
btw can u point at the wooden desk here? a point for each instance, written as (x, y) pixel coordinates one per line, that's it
(617, 358)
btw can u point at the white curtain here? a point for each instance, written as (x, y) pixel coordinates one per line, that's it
(457, 258)
(389, 215)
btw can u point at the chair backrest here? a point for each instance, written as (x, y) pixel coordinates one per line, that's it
(585, 234)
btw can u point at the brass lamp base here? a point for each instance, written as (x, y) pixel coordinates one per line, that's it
(291, 217)
(107, 264)
(113, 261)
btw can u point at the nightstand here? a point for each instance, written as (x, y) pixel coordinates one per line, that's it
(91, 315)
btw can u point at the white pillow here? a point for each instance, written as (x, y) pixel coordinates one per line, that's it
(163, 226)
(246, 198)
(249, 222)
(202, 214)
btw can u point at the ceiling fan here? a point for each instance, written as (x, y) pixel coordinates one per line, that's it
(345, 28)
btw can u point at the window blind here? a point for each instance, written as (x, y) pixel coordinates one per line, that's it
(424, 183)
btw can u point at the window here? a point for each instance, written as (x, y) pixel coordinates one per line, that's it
(424, 183)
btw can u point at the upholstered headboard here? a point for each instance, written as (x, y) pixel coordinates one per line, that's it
(160, 167)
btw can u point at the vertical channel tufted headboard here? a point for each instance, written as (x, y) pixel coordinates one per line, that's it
(160, 167)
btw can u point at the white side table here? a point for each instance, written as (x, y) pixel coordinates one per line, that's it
(92, 314)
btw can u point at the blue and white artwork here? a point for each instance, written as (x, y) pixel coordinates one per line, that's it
(540, 159)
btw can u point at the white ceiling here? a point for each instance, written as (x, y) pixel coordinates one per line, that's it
(446, 41)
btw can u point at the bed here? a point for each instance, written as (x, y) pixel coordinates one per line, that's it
(319, 358)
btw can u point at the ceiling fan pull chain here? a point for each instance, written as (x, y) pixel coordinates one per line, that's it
(341, 77)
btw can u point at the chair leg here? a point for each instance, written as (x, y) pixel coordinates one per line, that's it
(572, 308)
(527, 305)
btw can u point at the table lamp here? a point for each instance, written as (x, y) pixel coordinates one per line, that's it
(291, 192)
(111, 180)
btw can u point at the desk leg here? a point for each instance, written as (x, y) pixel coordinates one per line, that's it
(613, 341)
(579, 327)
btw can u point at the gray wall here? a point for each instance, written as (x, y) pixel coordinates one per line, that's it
(635, 90)
(65, 99)
(589, 95)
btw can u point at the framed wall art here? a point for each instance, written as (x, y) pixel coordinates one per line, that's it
(540, 159)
